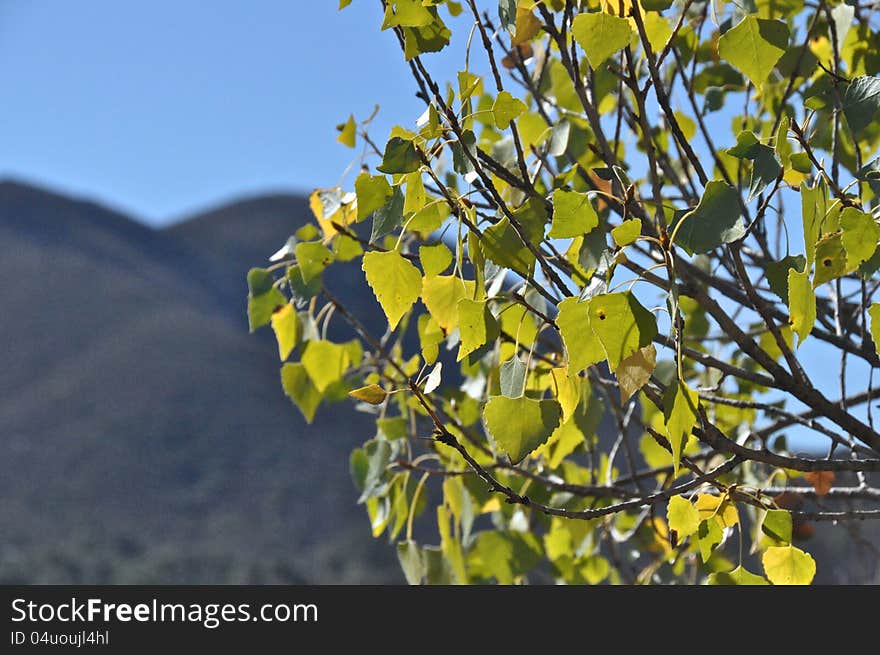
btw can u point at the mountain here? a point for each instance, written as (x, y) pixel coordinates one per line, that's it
(146, 435)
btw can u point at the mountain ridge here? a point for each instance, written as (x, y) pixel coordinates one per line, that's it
(148, 438)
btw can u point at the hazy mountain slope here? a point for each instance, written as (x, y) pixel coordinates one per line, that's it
(146, 434)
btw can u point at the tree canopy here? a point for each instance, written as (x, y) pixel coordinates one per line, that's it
(626, 264)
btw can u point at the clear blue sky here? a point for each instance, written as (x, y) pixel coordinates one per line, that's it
(164, 107)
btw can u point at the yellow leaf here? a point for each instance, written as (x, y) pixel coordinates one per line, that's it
(372, 393)
(709, 505)
(286, 325)
(787, 565)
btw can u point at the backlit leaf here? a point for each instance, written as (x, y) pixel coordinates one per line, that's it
(738, 576)
(682, 516)
(600, 35)
(395, 282)
(441, 295)
(801, 304)
(754, 46)
(627, 232)
(680, 411)
(476, 326)
(573, 214)
(299, 388)
(520, 425)
(325, 362)
(435, 258)
(859, 237)
(582, 346)
(373, 192)
(286, 326)
(506, 108)
(787, 565)
(621, 324)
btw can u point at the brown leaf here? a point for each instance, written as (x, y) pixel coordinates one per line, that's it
(788, 500)
(517, 54)
(635, 371)
(821, 481)
(802, 530)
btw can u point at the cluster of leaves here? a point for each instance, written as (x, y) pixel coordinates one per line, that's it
(583, 251)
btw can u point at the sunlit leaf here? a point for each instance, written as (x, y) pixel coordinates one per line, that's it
(519, 425)
(372, 393)
(787, 565)
(396, 283)
(754, 46)
(601, 35)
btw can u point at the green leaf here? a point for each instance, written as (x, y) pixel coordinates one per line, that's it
(512, 377)
(814, 207)
(682, 516)
(777, 525)
(526, 25)
(400, 157)
(263, 298)
(299, 388)
(506, 108)
(435, 258)
(373, 192)
(709, 535)
(410, 557)
(573, 215)
(430, 38)
(621, 324)
(861, 102)
(476, 325)
(801, 304)
(680, 411)
(348, 133)
(627, 232)
(287, 329)
(831, 260)
(777, 274)
(765, 169)
(372, 393)
(754, 46)
(634, 372)
(859, 237)
(738, 576)
(520, 425)
(441, 295)
(787, 565)
(406, 13)
(325, 362)
(503, 246)
(312, 258)
(582, 346)
(415, 193)
(601, 35)
(389, 217)
(874, 315)
(713, 222)
(395, 282)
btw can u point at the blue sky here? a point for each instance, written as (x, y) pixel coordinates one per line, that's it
(163, 108)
